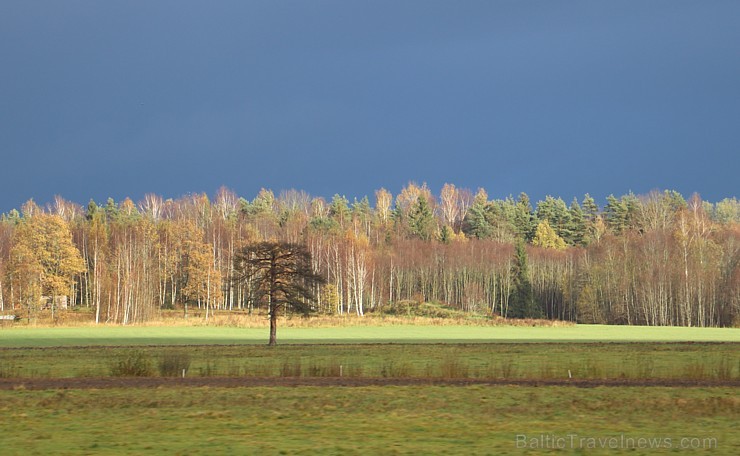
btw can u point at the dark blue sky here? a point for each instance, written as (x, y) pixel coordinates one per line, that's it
(123, 98)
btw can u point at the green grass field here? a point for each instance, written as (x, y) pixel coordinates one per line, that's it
(696, 361)
(367, 420)
(383, 351)
(420, 419)
(184, 335)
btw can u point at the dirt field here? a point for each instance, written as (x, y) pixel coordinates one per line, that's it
(234, 382)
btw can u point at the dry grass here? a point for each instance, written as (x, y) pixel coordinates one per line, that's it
(241, 319)
(323, 321)
(676, 361)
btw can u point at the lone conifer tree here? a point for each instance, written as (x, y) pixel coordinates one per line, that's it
(280, 275)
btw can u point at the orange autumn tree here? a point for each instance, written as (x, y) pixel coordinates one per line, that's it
(44, 261)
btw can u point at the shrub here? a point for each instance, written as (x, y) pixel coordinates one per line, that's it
(132, 364)
(173, 363)
(414, 308)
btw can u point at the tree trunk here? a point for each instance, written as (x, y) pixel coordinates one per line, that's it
(208, 292)
(273, 326)
(96, 285)
(272, 305)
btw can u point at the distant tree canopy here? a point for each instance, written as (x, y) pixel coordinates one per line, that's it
(655, 259)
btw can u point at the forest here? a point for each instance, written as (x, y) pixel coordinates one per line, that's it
(654, 259)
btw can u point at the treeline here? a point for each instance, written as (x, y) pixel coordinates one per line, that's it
(655, 259)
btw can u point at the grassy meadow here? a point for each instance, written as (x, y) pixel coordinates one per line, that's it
(693, 361)
(364, 420)
(341, 420)
(29, 336)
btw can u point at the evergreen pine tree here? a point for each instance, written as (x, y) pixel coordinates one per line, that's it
(261, 205)
(421, 220)
(577, 225)
(522, 303)
(92, 209)
(476, 222)
(339, 209)
(632, 205)
(615, 213)
(14, 216)
(362, 213)
(556, 213)
(446, 234)
(111, 210)
(592, 220)
(674, 200)
(524, 218)
(590, 208)
(361, 209)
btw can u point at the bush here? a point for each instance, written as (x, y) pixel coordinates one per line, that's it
(132, 364)
(422, 309)
(173, 363)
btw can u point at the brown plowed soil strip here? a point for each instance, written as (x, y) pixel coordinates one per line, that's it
(239, 382)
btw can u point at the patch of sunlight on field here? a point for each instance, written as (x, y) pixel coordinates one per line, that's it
(142, 335)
